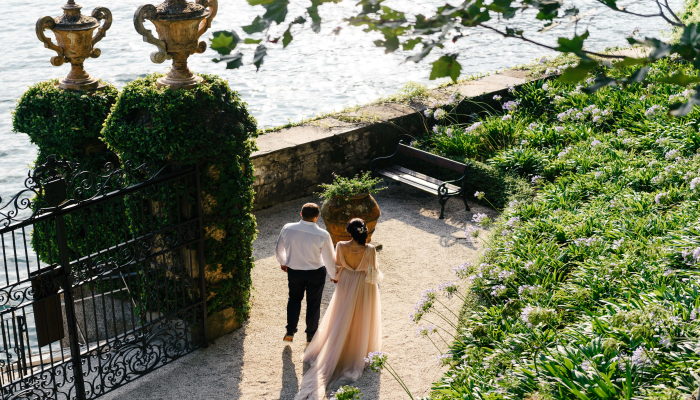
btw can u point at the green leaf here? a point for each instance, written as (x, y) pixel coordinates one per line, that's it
(224, 42)
(446, 66)
(287, 38)
(680, 79)
(574, 45)
(579, 72)
(629, 61)
(276, 11)
(411, 43)
(259, 2)
(599, 83)
(259, 56)
(391, 43)
(258, 25)
(252, 41)
(232, 62)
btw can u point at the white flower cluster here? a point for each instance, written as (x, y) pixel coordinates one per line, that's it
(564, 152)
(481, 220)
(473, 127)
(654, 110)
(426, 330)
(593, 111)
(586, 241)
(529, 290)
(449, 289)
(461, 270)
(499, 290)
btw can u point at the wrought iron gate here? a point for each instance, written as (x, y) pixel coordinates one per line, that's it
(102, 278)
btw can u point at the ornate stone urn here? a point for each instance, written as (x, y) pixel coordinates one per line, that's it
(75, 42)
(179, 24)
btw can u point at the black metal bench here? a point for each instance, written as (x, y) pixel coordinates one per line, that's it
(387, 167)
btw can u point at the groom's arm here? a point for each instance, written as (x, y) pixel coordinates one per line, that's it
(328, 255)
(280, 252)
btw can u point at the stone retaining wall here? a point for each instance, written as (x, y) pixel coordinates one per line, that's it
(293, 162)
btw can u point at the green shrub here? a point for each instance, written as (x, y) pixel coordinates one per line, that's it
(68, 124)
(588, 288)
(208, 125)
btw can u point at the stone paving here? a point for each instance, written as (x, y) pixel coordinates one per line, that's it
(253, 363)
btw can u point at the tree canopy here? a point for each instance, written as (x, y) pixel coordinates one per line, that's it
(427, 34)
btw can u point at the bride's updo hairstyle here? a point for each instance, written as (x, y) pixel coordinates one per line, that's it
(358, 230)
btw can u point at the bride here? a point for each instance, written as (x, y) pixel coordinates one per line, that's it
(351, 327)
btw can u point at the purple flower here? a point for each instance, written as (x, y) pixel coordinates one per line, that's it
(535, 179)
(497, 97)
(596, 143)
(509, 105)
(558, 128)
(439, 114)
(620, 131)
(653, 110)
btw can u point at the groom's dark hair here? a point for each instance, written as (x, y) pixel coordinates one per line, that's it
(310, 211)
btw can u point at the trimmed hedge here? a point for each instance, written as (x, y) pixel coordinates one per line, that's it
(209, 125)
(67, 124)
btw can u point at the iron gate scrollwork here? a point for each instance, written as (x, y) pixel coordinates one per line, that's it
(102, 278)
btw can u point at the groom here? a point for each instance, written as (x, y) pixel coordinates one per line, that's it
(303, 250)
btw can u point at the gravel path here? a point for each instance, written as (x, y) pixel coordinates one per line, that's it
(253, 363)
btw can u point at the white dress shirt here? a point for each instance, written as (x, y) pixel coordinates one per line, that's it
(304, 246)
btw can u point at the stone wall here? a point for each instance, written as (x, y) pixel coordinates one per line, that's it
(293, 162)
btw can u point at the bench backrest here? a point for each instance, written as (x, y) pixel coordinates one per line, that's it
(431, 158)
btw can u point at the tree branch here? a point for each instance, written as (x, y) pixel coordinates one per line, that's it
(592, 53)
(672, 13)
(661, 10)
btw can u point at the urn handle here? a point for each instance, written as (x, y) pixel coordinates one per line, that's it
(148, 11)
(206, 24)
(48, 23)
(101, 13)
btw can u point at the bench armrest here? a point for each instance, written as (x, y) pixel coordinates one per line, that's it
(443, 188)
(373, 166)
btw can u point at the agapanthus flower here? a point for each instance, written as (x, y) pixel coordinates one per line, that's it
(535, 179)
(618, 243)
(435, 129)
(376, 360)
(497, 97)
(533, 125)
(558, 128)
(439, 114)
(471, 231)
(660, 197)
(620, 131)
(428, 113)
(529, 265)
(507, 117)
(640, 357)
(666, 341)
(509, 105)
(448, 132)
(426, 330)
(449, 289)
(627, 141)
(596, 143)
(473, 126)
(671, 154)
(694, 314)
(479, 195)
(499, 290)
(511, 89)
(545, 87)
(505, 274)
(598, 174)
(443, 359)
(481, 220)
(461, 271)
(513, 221)
(694, 183)
(653, 110)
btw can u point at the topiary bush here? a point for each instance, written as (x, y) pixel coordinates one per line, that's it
(208, 125)
(67, 124)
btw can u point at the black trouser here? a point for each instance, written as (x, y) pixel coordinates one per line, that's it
(312, 283)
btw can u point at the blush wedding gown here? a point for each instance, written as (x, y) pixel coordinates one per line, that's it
(351, 327)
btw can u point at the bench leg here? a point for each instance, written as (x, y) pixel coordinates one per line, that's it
(442, 201)
(464, 199)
